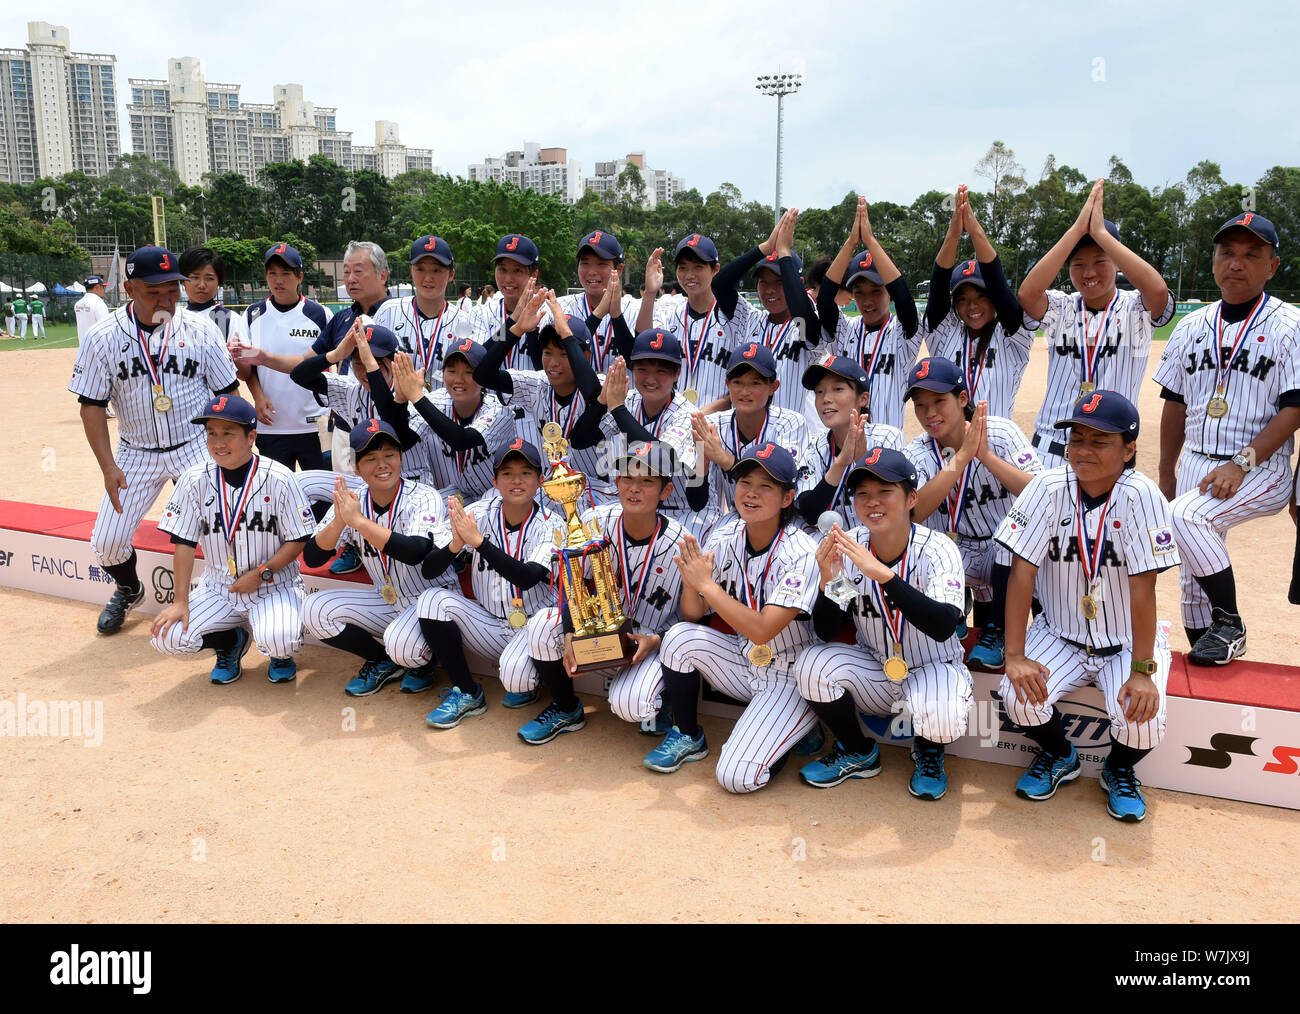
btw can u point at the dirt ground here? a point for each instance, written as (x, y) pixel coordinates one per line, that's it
(279, 803)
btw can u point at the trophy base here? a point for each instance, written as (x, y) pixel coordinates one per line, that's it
(603, 651)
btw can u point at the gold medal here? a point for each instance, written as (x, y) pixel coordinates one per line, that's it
(895, 667)
(389, 593)
(1086, 388)
(761, 655)
(552, 431)
(164, 404)
(1089, 607)
(953, 536)
(691, 395)
(518, 618)
(1217, 407)
(157, 388)
(231, 569)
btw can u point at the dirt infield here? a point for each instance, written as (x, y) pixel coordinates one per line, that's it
(260, 802)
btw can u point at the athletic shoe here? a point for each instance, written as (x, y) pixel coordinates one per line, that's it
(1045, 774)
(456, 704)
(676, 749)
(114, 614)
(417, 681)
(840, 765)
(229, 665)
(929, 780)
(282, 670)
(1125, 802)
(349, 561)
(1224, 641)
(372, 678)
(550, 723)
(812, 743)
(989, 653)
(519, 700)
(659, 725)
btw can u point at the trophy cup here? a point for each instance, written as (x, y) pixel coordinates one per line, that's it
(839, 589)
(600, 629)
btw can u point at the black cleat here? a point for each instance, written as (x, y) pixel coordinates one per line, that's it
(1224, 641)
(114, 614)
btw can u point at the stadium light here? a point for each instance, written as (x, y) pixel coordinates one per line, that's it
(779, 85)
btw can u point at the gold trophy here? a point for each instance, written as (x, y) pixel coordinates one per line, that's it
(600, 629)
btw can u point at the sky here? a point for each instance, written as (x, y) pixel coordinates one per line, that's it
(896, 98)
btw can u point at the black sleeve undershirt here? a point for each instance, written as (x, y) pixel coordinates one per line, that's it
(726, 283)
(936, 620)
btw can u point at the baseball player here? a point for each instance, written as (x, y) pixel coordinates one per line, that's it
(970, 467)
(205, 274)
(36, 307)
(973, 317)
(758, 574)
(20, 313)
(1099, 338)
(602, 305)
(884, 343)
(786, 324)
(11, 321)
(515, 267)
(508, 538)
(390, 524)
(284, 324)
(156, 368)
(644, 541)
(842, 396)
(1089, 538)
(426, 324)
(251, 519)
(1230, 379)
(90, 309)
(907, 601)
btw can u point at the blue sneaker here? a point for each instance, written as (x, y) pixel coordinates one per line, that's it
(282, 670)
(660, 725)
(929, 780)
(811, 743)
(676, 749)
(349, 561)
(372, 678)
(840, 765)
(417, 681)
(229, 666)
(519, 700)
(1125, 802)
(989, 653)
(456, 704)
(1046, 773)
(550, 723)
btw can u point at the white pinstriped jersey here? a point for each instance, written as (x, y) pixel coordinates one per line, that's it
(894, 355)
(601, 353)
(1266, 366)
(659, 606)
(821, 455)
(719, 335)
(782, 426)
(492, 590)
(996, 379)
(673, 427)
(535, 395)
(286, 332)
(276, 512)
(985, 501)
(793, 350)
(230, 324)
(420, 512)
(446, 470)
(346, 398)
(413, 331)
(1121, 360)
(1040, 528)
(791, 582)
(110, 367)
(935, 568)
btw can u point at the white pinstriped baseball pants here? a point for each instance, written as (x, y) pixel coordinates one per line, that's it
(146, 475)
(274, 616)
(325, 613)
(484, 634)
(938, 694)
(1201, 522)
(775, 717)
(317, 485)
(1070, 668)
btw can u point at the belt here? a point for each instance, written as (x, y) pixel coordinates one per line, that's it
(1220, 457)
(154, 450)
(1114, 649)
(1052, 448)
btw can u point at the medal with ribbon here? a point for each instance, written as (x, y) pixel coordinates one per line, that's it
(1091, 551)
(600, 348)
(956, 499)
(895, 666)
(974, 371)
(388, 592)
(780, 331)
(1090, 345)
(693, 357)
(517, 616)
(427, 349)
(631, 598)
(232, 508)
(160, 401)
(1217, 406)
(870, 364)
(759, 654)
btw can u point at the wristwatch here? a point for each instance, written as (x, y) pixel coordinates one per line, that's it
(1144, 667)
(267, 574)
(1242, 461)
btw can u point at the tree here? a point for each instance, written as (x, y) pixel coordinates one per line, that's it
(1006, 175)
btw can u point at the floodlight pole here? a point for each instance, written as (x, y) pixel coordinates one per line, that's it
(779, 85)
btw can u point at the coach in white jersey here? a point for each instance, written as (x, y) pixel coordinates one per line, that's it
(1089, 539)
(156, 367)
(426, 324)
(251, 519)
(974, 319)
(901, 587)
(1099, 338)
(1230, 379)
(90, 309)
(287, 324)
(602, 305)
(884, 343)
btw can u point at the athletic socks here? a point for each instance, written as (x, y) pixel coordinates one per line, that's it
(1122, 756)
(356, 641)
(1221, 590)
(124, 573)
(220, 640)
(448, 648)
(841, 717)
(1050, 736)
(998, 582)
(552, 673)
(682, 696)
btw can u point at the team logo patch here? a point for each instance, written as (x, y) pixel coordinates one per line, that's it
(1024, 457)
(793, 582)
(1017, 516)
(952, 582)
(307, 515)
(1162, 540)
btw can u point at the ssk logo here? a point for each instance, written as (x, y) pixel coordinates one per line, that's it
(1222, 746)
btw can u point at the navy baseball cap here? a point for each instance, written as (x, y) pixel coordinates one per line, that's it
(655, 344)
(468, 349)
(432, 246)
(1111, 228)
(884, 464)
(382, 341)
(576, 324)
(697, 246)
(658, 458)
(773, 459)
(519, 448)
(861, 266)
(757, 357)
(1255, 224)
(935, 374)
(230, 407)
(967, 273)
(1108, 411)
(291, 257)
(517, 248)
(840, 366)
(769, 263)
(92, 280)
(152, 264)
(362, 437)
(603, 244)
